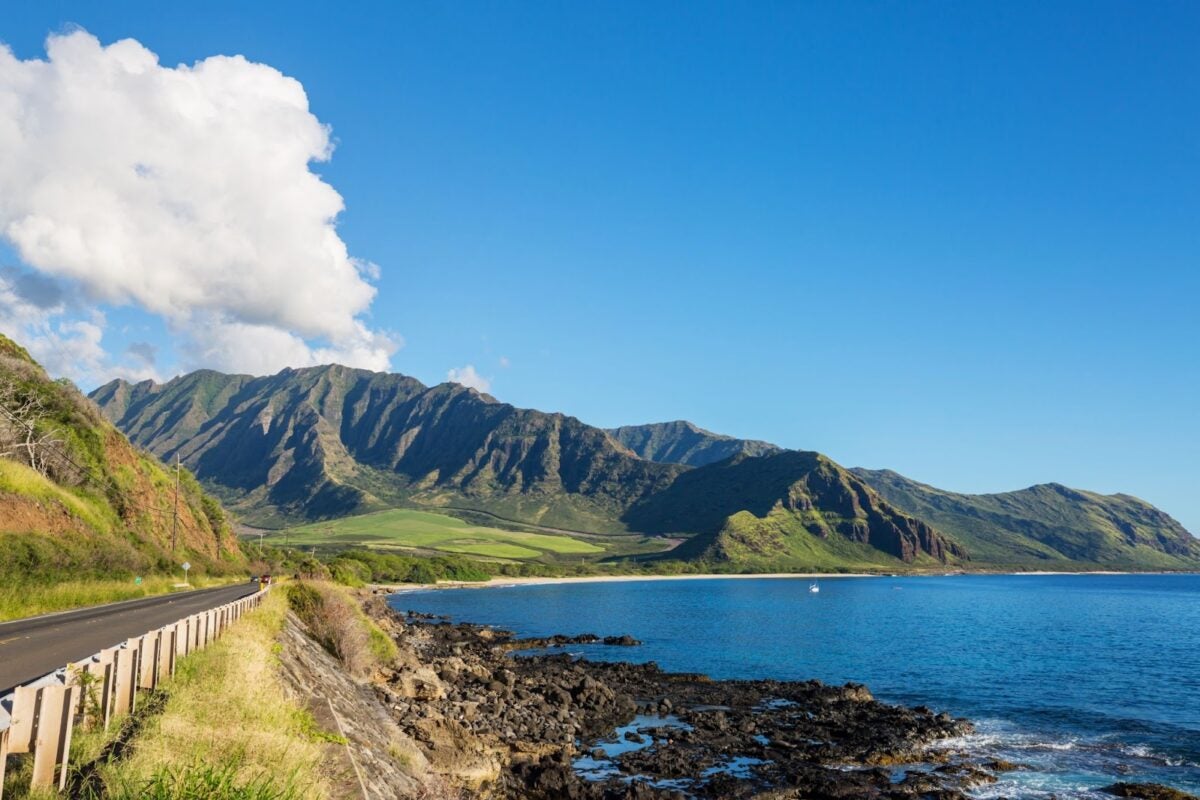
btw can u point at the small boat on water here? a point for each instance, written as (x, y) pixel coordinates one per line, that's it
(814, 587)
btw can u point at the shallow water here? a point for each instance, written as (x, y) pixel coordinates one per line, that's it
(1088, 679)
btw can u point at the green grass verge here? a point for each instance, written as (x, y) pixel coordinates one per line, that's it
(26, 600)
(227, 730)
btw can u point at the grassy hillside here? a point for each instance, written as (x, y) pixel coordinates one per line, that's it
(781, 542)
(84, 504)
(1048, 526)
(421, 531)
(770, 510)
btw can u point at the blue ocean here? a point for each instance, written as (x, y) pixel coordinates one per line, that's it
(1085, 679)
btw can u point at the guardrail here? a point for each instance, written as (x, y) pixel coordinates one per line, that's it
(39, 717)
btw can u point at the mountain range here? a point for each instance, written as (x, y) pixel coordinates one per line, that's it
(325, 442)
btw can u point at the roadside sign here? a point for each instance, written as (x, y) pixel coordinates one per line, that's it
(186, 566)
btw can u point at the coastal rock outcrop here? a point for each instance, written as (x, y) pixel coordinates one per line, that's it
(547, 724)
(1148, 791)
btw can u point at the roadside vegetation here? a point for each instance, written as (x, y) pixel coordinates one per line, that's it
(83, 513)
(226, 730)
(337, 621)
(28, 598)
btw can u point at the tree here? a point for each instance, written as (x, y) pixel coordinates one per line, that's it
(24, 432)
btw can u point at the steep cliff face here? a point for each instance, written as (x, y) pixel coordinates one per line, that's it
(1047, 523)
(681, 442)
(762, 503)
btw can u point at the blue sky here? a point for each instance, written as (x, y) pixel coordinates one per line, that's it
(958, 240)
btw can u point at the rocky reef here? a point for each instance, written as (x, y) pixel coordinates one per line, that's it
(545, 724)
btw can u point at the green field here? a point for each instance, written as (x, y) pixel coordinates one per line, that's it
(422, 530)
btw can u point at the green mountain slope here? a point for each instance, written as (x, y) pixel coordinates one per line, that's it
(791, 508)
(80, 502)
(1048, 525)
(331, 441)
(681, 442)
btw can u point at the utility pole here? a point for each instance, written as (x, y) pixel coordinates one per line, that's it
(175, 518)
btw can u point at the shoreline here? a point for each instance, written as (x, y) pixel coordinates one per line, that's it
(507, 582)
(550, 726)
(504, 582)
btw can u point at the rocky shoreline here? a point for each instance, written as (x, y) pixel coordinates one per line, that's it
(546, 725)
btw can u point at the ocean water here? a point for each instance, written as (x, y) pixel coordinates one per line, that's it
(1087, 679)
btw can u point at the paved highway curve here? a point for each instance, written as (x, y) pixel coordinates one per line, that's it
(35, 646)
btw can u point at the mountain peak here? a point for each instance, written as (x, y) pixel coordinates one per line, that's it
(684, 442)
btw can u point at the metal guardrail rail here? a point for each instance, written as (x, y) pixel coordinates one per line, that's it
(40, 716)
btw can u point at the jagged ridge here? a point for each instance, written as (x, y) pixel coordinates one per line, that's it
(329, 441)
(681, 442)
(1047, 523)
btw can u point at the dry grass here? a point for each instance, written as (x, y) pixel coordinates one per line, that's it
(227, 731)
(338, 622)
(25, 600)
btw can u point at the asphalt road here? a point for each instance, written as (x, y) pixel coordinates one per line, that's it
(36, 646)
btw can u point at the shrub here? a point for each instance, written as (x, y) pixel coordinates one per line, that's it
(341, 627)
(349, 572)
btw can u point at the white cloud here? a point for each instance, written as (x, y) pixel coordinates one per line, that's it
(504, 362)
(64, 346)
(62, 339)
(468, 377)
(187, 192)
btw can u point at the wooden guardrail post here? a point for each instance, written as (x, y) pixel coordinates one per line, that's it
(52, 734)
(166, 654)
(91, 678)
(126, 667)
(24, 712)
(4, 734)
(181, 638)
(106, 660)
(148, 660)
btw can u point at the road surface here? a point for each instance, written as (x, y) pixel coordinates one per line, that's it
(36, 646)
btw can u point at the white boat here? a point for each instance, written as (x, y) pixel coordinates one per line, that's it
(814, 587)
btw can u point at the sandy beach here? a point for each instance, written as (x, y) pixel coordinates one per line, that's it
(499, 582)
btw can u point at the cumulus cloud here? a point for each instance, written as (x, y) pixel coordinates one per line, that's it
(64, 336)
(63, 345)
(468, 377)
(185, 191)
